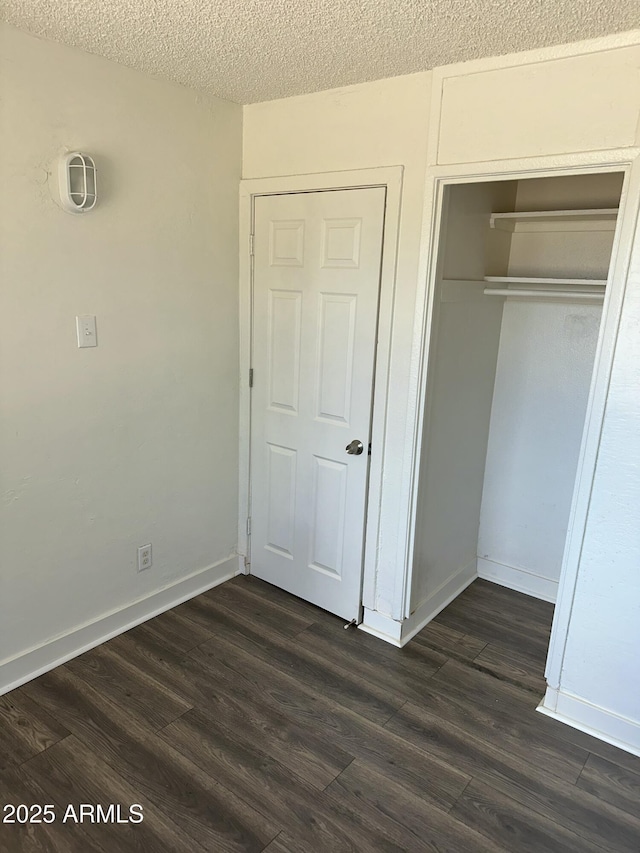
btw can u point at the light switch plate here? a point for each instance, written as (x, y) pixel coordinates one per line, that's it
(86, 327)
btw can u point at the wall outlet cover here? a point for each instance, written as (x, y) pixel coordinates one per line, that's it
(144, 558)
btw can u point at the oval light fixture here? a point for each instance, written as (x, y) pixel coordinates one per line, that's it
(78, 184)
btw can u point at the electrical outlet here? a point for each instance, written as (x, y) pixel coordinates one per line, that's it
(144, 557)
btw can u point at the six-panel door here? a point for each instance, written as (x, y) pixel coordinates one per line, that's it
(316, 284)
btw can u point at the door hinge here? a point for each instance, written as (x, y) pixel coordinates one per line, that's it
(251, 240)
(251, 377)
(248, 527)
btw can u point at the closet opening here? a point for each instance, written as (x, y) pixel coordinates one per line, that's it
(521, 277)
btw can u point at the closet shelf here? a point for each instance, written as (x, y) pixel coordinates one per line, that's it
(567, 295)
(551, 282)
(601, 219)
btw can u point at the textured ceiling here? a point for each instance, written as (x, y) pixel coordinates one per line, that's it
(255, 50)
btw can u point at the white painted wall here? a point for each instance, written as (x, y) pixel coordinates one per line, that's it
(602, 661)
(565, 249)
(542, 384)
(543, 377)
(135, 441)
(464, 349)
(373, 124)
(540, 103)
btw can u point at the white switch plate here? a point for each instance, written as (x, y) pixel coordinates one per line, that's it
(86, 328)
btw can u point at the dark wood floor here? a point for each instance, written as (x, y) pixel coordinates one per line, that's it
(247, 720)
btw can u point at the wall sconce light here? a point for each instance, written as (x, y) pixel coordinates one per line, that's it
(78, 186)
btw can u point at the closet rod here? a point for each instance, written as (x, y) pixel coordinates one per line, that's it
(554, 294)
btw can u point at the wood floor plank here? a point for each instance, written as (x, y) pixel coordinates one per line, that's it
(611, 783)
(503, 617)
(579, 811)
(492, 693)
(207, 681)
(592, 744)
(147, 651)
(487, 690)
(505, 715)
(16, 788)
(498, 729)
(499, 817)
(509, 665)
(449, 642)
(174, 632)
(283, 844)
(75, 774)
(495, 629)
(148, 701)
(248, 720)
(506, 623)
(249, 585)
(259, 610)
(402, 672)
(265, 726)
(499, 600)
(437, 782)
(25, 729)
(327, 677)
(402, 817)
(520, 778)
(209, 813)
(310, 816)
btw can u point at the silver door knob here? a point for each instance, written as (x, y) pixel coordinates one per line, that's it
(355, 447)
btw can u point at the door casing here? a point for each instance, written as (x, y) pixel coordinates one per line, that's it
(391, 178)
(626, 161)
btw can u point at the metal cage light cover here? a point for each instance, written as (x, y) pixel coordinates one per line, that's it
(78, 184)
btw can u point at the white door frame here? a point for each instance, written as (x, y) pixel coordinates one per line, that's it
(626, 160)
(389, 177)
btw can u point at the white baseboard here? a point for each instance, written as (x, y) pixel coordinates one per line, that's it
(34, 662)
(399, 633)
(592, 719)
(437, 601)
(518, 579)
(381, 626)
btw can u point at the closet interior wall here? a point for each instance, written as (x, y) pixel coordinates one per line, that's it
(507, 387)
(462, 364)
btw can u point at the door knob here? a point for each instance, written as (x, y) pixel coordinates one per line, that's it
(355, 447)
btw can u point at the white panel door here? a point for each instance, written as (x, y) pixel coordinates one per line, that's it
(316, 284)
